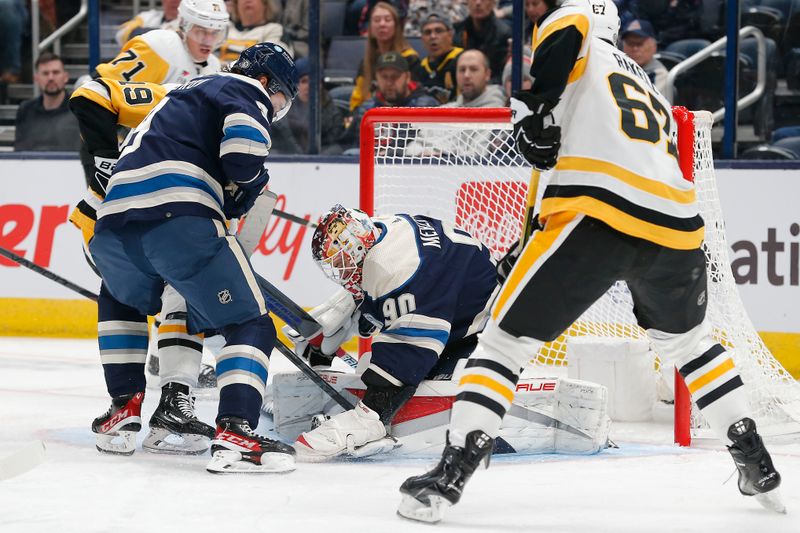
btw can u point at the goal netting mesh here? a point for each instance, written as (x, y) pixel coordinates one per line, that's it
(461, 166)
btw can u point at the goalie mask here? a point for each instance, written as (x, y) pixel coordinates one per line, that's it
(340, 244)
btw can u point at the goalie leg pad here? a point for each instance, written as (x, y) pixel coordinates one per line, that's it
(582, 408)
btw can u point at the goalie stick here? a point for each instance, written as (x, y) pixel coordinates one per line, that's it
(313, 376)
(22, 460)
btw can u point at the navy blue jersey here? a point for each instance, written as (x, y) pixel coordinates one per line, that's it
(428, 285)
(203, 136)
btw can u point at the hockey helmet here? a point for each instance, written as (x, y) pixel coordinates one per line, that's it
(211, 16)
(340, 243)
(606, 20)
(271, 60)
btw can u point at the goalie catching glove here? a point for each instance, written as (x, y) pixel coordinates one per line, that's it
(339, 319)
(538, 139)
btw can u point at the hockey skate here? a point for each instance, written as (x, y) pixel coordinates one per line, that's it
(237, 449)
(426, 497)
(174, 428)
(757, 475)
(116, 430)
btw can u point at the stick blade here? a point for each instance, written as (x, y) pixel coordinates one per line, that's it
(19, 462)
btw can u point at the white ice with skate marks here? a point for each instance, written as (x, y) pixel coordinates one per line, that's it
(52, 389)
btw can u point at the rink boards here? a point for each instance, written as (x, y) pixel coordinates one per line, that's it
(36, 196)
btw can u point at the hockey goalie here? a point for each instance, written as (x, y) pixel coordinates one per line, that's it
(422, 290)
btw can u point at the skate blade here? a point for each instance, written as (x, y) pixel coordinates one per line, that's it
(413, 509)
(163, 441)
(772, 501)
(119, 443)
(231, 462)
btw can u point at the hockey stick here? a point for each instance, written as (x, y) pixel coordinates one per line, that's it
(530, 206)
(312, 375)
(291, 313)
(48, 274)
(294, 218)
(22, 460)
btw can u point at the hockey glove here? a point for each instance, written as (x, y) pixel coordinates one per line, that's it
(238, 200)
(537, 138)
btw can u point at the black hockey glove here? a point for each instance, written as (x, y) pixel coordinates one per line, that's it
(238, 200)
(538, 140)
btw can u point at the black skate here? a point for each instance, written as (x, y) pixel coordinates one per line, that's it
(174, 428)
(757, 475)
(426, 497)
(116, 430)
(236, 448)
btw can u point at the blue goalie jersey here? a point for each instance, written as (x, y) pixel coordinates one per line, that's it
(204, 135)
(428, 285)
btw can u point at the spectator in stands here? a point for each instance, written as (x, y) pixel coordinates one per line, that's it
(291, 135)
(395, 88)
(385, 35)
(13, 17)
(680, 20)
(45, 123)
(527, 79)
(628, 10)
(418, 11)
(294, 17)
(473, 76)
(534, 9)
(482, 30)
(361, 10)
(639, 42)
(437, 71)
(153, 19)
(255, 23)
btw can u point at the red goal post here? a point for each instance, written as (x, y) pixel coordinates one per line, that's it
(461, 165)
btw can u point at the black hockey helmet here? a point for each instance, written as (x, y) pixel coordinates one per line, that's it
(273, 61)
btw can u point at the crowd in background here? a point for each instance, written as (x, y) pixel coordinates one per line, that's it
(464, 61)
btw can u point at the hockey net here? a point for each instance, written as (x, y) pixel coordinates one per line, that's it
(461, 166)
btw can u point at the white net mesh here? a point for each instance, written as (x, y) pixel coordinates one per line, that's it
(470, 174)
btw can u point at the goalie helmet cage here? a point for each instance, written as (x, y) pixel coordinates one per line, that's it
(461, 166)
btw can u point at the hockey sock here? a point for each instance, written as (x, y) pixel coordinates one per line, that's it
(179, 353)
(487, 384)
(242, 368)
(122, 339)
(716, 388)
(485, 392)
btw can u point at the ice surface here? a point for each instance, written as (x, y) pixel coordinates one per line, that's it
(52, 389)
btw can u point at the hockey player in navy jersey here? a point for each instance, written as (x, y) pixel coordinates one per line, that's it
(196, 160)
(424, 285)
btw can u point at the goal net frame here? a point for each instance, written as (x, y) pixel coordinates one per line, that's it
(389, 135)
